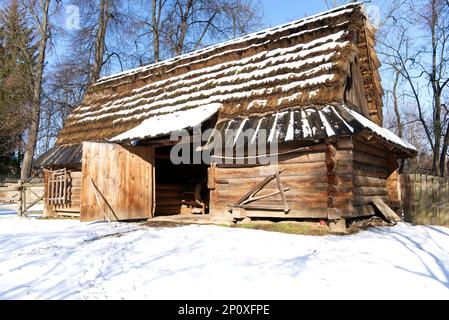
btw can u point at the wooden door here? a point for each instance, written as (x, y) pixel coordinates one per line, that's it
(117, 183)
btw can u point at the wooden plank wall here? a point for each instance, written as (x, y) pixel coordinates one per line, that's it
(124, 179)
(304, 174)
(355, 91)
(372, 167)
(424, 199)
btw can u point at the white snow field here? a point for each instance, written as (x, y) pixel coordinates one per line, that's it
(67, 259)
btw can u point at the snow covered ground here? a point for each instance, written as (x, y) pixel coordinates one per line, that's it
(67, 259)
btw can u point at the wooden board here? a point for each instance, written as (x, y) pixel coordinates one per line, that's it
(355, 91)
(361, 211)
(117, 182)
(386, 211)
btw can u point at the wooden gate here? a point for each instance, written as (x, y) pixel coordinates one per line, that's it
(62, 193)
(58, 185)
(117, 182)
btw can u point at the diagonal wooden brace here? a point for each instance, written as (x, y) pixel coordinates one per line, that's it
(250, 195)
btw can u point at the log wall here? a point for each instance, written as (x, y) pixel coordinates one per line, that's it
(304, 174)
(342, 203)
(372, 168)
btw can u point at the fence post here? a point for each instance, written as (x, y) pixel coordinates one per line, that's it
(447, 190)
(24, 200)
(20, 198)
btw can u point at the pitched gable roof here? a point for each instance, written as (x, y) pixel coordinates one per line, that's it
(300, 64)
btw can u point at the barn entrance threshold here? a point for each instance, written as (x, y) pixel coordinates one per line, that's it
(194, 219)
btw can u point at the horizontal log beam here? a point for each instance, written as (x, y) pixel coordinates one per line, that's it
(364, 181)
(365, 200)
(370, 191)
(293, 214)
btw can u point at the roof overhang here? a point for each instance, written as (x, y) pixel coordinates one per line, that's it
(165, 124)
(307, 126)
(300, 125)
(60, 156)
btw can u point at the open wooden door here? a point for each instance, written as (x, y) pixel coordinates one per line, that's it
(117, 183)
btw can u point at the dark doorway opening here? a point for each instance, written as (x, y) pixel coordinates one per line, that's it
(180, 189)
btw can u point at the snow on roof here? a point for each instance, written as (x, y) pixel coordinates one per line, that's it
(303, 125)
(165, 124)
(258, 34)
(299, 64)
(306, 125)
(381, 132)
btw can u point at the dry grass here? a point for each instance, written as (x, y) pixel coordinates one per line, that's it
(301, 228)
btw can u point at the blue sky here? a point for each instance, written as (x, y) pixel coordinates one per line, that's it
(282, 11)
(276, 12)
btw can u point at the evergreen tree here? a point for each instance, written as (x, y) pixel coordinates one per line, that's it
(17, 59)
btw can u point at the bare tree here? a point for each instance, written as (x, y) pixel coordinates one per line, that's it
(178, 26)
(156, 26)
(39, 10)
(63, 91)
(100, 40)
(435, 20)
(419, 52)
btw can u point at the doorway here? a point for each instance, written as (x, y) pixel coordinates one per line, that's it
(180, 189)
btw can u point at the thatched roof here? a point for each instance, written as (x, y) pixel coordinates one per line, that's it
(300, 64)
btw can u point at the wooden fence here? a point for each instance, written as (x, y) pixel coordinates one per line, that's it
(424, 199)
(24, 194)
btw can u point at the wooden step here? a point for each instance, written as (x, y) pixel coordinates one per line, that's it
(68, 213)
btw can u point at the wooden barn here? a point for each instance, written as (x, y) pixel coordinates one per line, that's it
(312, 85)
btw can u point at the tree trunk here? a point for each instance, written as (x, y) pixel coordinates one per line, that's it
(436, 90)
(37, 90)
(438, 133)
(100, 41)
(184, 26)
(156, 15)
(398, 114)
(444, 153)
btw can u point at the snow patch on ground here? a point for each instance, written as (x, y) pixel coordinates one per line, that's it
(67, 259)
